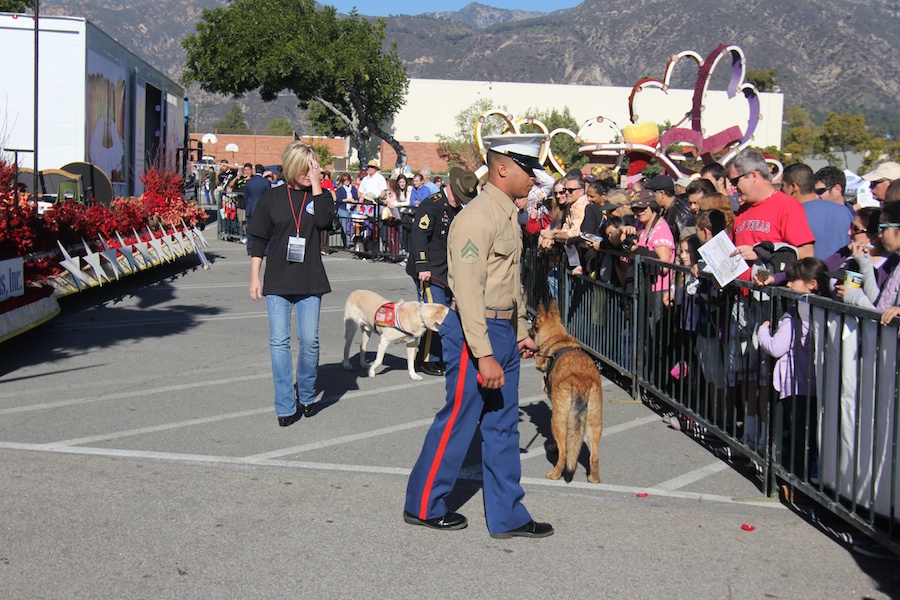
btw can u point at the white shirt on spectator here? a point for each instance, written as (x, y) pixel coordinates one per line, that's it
(374, 184)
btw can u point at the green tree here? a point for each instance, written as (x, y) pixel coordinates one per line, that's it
(458, 148)
(844, 132)
(324, 154)
(763, 79)
(878, 150)
(234, 121)
(800, 138)
(563, 147)
(324, 122)
(15, 6)
(279, 126)
(339, 63)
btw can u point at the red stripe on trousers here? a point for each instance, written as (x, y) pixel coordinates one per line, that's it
(445, 437)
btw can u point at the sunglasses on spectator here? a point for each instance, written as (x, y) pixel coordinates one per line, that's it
(820, 191)
(734, 180)
(569, 191)
(857, 230)
(872, 184)
(883, 226)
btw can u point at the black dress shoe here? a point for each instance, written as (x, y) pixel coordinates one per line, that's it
(448, 522)
(531, 529)
(285, 421)
(308, 409)
(434, 368)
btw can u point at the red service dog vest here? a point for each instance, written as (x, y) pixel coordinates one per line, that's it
(386, 315)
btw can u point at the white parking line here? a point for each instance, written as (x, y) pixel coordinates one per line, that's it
(236, 415)
(607, 431)
(363, 469)
(132, 394)
(179, 319)
(345, 439)
(365, 435)
(651, 491)
(692, 476)
(154, 428)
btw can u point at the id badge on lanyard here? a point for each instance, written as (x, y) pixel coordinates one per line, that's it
(296, 246)
(296, 249)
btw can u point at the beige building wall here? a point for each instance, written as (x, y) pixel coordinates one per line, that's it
(432, 105)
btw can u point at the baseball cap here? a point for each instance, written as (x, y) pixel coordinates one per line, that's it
(643, 199)
(683, 181)
(661, 183)
(886, 170)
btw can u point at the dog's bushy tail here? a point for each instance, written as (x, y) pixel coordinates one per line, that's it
(575, 432)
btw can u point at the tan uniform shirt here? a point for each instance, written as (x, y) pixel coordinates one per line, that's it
(484, 248)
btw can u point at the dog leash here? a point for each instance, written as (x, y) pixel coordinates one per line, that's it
(553, 358)
(422, 296)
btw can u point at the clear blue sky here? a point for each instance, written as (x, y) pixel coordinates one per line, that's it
(384, 8)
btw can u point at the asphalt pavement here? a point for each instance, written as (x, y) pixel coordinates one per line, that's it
(140, 457)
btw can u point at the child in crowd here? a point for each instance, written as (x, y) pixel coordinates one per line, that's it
(684, 291)
(711, 322)
(793, 377)
(539, 200)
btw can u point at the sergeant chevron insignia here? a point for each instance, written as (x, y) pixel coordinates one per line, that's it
(469, 252)
(425, 222)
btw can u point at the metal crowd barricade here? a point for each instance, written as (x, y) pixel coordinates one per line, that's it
(837, 439)
(232, 217)
(366, 235)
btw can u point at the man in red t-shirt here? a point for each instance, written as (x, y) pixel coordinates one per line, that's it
(766, 214)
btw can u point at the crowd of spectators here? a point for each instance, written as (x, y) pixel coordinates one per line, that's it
(801, 218)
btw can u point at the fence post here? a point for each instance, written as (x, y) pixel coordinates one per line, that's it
(636, 330)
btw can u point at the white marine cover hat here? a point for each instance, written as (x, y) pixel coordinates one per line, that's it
(523, 148)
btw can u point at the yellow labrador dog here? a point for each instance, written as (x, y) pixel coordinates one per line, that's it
(393, 321)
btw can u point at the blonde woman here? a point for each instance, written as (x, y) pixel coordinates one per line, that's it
(287, 221)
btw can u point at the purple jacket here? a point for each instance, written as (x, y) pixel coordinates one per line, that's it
(792, 375)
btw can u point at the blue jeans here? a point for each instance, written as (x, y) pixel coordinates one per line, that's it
(288, 390)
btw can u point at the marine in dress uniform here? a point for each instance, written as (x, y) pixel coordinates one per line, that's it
(427, 263)
(482, 337)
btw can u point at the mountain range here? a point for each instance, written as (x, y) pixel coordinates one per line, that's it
(831, 55)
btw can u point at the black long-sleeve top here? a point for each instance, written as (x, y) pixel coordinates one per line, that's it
(274, 222)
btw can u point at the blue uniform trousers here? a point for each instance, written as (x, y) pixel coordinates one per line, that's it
(450, 435)
(430, 348)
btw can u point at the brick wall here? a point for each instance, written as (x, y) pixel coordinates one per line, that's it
(267, 149)
(419, 154)
(262, 149)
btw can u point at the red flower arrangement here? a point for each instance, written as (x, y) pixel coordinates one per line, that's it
(164, 199)
(25, 233)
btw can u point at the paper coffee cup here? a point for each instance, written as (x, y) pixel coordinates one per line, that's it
(853, 280)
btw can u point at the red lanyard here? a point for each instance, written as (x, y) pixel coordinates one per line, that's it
(293, 213)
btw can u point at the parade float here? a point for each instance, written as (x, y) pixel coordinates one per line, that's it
(684, 146)
(50, 250)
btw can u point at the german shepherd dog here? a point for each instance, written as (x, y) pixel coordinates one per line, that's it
(410, 322)
(572, 381)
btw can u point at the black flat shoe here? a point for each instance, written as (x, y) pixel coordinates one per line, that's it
(285, 421)
(308, 409)
(433, 368)
(449, 522)
(531, 529)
